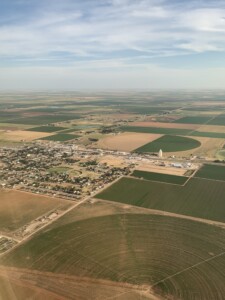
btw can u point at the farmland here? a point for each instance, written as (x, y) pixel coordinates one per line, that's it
(46, 129)
(126, 141)
(127, 248)
(194, 120)
(169, 143)
(160, 177)
(60, 137)
(19, 208)
(199, 198)
(211, 172)
(112, 219)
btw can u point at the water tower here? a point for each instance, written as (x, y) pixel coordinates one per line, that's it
(160, 153)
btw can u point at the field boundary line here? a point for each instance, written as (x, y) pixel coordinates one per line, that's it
(151, 211)
(190, 177)
(138, 178)
(210, 179)
(188, 268)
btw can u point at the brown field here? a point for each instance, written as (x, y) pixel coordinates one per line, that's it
(21, 135)
(20, 284)
(126, 141)
(163, 170)
(18, 208)
(112, 161)
(165, 125)
(212, 128)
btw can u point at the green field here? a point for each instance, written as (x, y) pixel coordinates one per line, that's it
(198, 198)
(172, 131)
(213, 172)
(46, 129)
(160, 177)
(130, 248)
(170, 143)
(45, 119)
(219, 135)
(155, 130)
(60, 137)
(194, 120)
(219, 120)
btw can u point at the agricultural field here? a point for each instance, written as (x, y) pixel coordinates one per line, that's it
(22, 135)
(145, 129)
(212, 172)
(46, 129)
(42, 119)
(169, 143)
(194, 120)
(60, 137)
(173, 179)
(219, 120)
(18, 208)
(126, 248)
(199, 198)
(126, 141)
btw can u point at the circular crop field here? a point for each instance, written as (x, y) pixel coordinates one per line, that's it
(170, 143)
(177, 258)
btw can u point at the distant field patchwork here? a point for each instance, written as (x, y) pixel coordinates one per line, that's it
(198, 198)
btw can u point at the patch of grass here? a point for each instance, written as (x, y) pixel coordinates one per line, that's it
(60, 137)
(198, 198)
(211, 172)
(194, 120)
(160, 177)
(169, 143)
(46, 129)
(59, 170)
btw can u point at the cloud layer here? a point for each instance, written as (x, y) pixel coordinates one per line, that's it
(109, 34)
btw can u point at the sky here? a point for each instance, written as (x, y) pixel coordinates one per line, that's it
(112, 44)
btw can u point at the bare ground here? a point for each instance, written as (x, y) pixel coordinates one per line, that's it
(126, 141)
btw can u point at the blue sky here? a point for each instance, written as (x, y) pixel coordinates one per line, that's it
(74, 44)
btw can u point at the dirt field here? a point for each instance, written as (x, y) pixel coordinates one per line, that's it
(21, 135)
(126, 141)
(22, 284)
(163, 170)
(18, 208)
(212, 128)
(112, 161)
(165, 125)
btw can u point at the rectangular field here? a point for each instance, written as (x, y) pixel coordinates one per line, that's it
(219, 120)
(213, 172)
(61, 137)
(41, 120)
(194, 120)
(160, 177)
(173, 131)
(199, 198)
(18, 208)
(46, 129)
